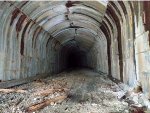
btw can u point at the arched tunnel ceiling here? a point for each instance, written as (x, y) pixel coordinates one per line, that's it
(33, 33)
(67, 20)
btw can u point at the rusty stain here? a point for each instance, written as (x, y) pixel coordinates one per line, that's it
(108, 23)
(22, 39)
(71, 3)
(37, 32)
(116, 8)
(147, 14)
(34, 34)
(25, 28)
(19, 23)
(24, 4)
(14, 15)
(22, 46)
(40, 30)
(123, 7)
(135, 109)
(33, 23)
(48, 41)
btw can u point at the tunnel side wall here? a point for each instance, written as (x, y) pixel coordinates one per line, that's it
(126, 27)
(142, 43)
(118, 28)
(24, 50)
(97, 58)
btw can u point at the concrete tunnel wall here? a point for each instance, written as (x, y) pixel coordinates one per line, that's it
(23, 46)
(30, 45)
(37, 38)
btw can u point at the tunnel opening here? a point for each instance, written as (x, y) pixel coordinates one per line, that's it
(76, 59)
(72, 56)
(81, 51)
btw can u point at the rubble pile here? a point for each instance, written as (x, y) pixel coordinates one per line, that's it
(80, 91)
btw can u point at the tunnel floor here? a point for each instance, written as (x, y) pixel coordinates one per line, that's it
(87, 92)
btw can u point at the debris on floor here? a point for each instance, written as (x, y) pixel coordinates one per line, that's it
(45, 103)
(79, 91)
(12, 90)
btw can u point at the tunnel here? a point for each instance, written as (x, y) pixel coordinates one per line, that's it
(49, 37)
(75, 58)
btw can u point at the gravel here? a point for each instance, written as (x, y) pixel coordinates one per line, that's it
(89, 92)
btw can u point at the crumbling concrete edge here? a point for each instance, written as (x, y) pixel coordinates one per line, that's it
(11, 83)
(145, 100)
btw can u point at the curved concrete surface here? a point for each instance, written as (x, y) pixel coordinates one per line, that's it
(110, 37)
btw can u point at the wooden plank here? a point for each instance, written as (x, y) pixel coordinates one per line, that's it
(13, 90)
(45, 103)
(12, 83)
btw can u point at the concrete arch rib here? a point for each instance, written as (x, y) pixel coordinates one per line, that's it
(39, 34)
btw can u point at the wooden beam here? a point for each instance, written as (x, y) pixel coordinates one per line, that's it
(45, 103)
(13, 90)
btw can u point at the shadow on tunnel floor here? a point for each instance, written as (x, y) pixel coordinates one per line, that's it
(78, 68)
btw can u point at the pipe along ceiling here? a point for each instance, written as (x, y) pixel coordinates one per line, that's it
(51, 36)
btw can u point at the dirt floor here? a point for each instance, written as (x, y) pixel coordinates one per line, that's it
(79, 91)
